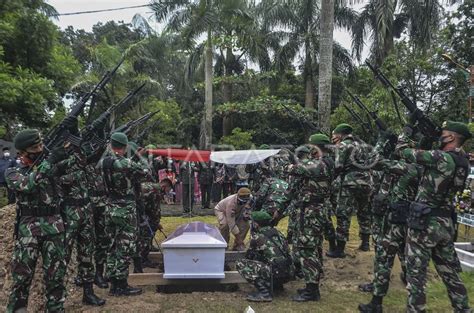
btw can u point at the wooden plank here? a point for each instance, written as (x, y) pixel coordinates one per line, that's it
(230, 256)
(156, 279)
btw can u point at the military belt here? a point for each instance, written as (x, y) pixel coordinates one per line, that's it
(75, 202)
(38, 211)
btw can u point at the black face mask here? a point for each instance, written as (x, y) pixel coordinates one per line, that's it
(442, 143)
(33, 156)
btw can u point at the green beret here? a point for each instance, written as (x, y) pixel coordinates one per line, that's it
(27, 138)
(150, 147)
(457, 127)
(319, 139)
(343, 128)
(264, 147)
(261, 216)
(119, 140)
(302, 149)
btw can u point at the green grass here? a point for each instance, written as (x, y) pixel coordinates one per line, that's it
(333, 300)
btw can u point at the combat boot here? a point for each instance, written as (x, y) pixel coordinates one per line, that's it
(367, 287)
(99, 278)
(148, 263)
(310, 293)
(89, 297)
(332, 247)
(128, 290)
(137, 265)
(263, 294)
(339, 251)
(374, 306)
(365, 243)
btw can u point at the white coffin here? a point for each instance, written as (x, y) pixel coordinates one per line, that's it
(194, 250)
(465, 254)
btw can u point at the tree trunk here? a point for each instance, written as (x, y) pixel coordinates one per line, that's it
(206, 125)
(308, 76)
(325, 64)
(227, 92)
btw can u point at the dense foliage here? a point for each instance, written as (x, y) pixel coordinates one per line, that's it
(264, 62)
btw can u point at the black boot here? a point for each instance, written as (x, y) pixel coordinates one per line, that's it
(121, 288)
(78, 281)
(365, 244)
(332, 247)
(99, 280)
(137, 265)
(310, 293)
(367, 287)
(339, 251)
(89, 297)
(374, 306)
(148, 263)
(263, 294)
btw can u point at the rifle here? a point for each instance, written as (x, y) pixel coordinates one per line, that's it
(371, 114)
(128, 127)
(301, 119)
(426, 126)
(358, 118)
(59, 133)
(144, 133)
(89, 133)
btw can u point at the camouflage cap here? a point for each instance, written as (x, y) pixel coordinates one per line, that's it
(119, 139)
(26, 138)
(264, 147)
(243, 192)
(319, 139)
(302, 149)
(261, 216)
(343, 128)
(457, 127)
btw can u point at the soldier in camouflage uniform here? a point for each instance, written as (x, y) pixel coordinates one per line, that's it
(271, 196)
(430, 221)
(98, 198)
(39, 229)
(268, 263)
(354, 191)
(78, 219)
(120, 174)
(315, 176)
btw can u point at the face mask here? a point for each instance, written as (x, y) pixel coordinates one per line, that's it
(442, 143)
(241, 201)
(6, 154)
(33, 156)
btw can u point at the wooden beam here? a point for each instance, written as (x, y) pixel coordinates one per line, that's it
(156, 279)
(230, 256)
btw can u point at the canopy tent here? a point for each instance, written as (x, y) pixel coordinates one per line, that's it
(226, 157)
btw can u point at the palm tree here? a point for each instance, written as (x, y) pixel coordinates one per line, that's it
(384, 20)
(299, 22)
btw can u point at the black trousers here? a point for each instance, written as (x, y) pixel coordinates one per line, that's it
(206, 195)
(188, 194)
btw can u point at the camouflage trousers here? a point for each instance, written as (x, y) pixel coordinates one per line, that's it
(121, 225)
(25, 254)
(253, 270)
(79, 229)
(309, 262)
(348, 201)
(102, 238)
(328, 227)
(391, 243)
(147, 230)
(436, 243)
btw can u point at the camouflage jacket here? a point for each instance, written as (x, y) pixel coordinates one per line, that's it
(405, 183)
(121, 175)
(314, 178)
(74, 182)
(349, 154)
(438, 179)
(269, 246)
(36, 190)
(271, 195)
(97, 191)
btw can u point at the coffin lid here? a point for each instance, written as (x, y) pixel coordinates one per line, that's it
(195, 235)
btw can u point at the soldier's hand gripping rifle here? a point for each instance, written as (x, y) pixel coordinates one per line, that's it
(60, 133)
(425, 125)
(91, 134)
